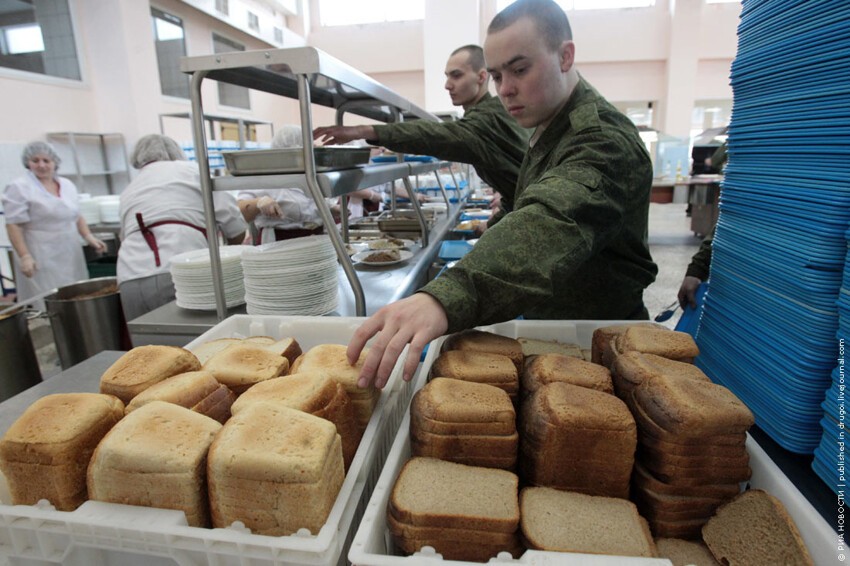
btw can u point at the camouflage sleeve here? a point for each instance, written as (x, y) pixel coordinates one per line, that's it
(701, 261)
(558, 222)
(465, 141)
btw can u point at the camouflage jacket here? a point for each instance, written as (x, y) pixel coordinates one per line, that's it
(701, 261)
(575, 245)
(487, 137)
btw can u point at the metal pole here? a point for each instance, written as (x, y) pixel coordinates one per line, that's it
(202, 156)
(316, 192)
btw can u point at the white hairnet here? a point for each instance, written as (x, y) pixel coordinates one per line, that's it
(156, 147)
(286, 137)
(39, 148)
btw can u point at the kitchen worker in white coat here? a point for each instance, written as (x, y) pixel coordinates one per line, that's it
(162, 215)
(44, 225)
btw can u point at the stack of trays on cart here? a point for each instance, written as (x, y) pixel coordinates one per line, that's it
(779, 249)
(829, 458)
(193, 283)
(295, 277)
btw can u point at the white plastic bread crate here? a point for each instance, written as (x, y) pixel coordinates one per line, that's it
(100, 533)
(373, 546)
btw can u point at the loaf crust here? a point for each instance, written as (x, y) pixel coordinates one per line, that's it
(473, 340)
(551, 368)
(144, 366)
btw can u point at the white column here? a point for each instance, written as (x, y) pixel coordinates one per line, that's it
(682, 65)
(448, 25)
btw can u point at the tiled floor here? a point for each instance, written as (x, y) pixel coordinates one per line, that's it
(671, 243)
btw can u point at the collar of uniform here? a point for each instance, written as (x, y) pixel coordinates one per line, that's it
(579, 113)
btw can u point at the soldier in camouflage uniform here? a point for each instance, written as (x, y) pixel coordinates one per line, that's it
(575, 245)
(486, 137)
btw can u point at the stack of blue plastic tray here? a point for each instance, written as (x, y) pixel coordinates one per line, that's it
(769, 322)
(830, 453)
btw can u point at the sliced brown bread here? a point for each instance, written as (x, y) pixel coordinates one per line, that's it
(685, 552)
(564, 521)
(434, 493)
(669, 344)
(754, 529)
(658, 506)
(644, 479)
(689, 449)
(685, 528)
(630, 369)
(602, 337)
(479, 341)
(577, 438)
(648, 426)
(550, 368)
(692, 461)
(689, 407)
(451, 406)
(479, 367)
(144, 366)
(534, 347)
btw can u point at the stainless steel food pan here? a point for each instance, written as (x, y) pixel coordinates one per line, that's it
(277, 161)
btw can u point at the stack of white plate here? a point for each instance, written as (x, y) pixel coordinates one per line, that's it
(297, 277)
(193, 283)
(89, 210)
(109, 208)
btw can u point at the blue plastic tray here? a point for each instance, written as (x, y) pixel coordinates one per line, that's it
(454, 249)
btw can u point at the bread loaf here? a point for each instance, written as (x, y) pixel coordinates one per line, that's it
(144, 366)
(487, 342)
(478, 367)
(534, 347)
(184, 389)
(551, 368)
(242, 365)
(678, 346)
(45, 453)
(603, 336)
(275, 469)
(156, 457)
(313, 393)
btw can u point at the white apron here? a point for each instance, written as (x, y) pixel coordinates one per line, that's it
(50, 232)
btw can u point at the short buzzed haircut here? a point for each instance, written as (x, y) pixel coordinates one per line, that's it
(549, 17)
(476, 56)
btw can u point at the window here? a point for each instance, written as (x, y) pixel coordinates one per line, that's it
(353, 12)
(253, 21)
(222, 6)
(568, 5)
(170, 47)
(278, 35)
(38, 41)
(229, 94)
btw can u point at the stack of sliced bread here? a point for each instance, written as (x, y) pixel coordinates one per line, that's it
(286, 347)
(551, 368)
(463, 512)
(755, 528)
(275, 469)
(313, 393)
(480, 367)
(577, 439)
(691, 443)
(156, 457)
(683, 552)
(565, 521)
(465, 422)
(195, 390)
(144, 366)
(535, 347)
(603, 342)
(46, 451)
(331, 360)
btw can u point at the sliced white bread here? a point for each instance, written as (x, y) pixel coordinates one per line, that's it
(242, 365)
(144, 366)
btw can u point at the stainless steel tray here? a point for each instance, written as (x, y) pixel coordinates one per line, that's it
(278, 161)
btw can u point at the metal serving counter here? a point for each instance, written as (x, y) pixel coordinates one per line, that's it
(171, 325)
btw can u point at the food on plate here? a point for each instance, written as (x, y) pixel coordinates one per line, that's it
(384, 256)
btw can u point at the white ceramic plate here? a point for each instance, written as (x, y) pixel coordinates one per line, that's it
(404, 255)
(384, 244)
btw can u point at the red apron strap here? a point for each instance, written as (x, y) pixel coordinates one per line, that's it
(150, 238)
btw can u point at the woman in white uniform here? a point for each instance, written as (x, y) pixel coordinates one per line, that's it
(162, 215)
(44, 225)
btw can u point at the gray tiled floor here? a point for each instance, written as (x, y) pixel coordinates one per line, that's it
(671, 243)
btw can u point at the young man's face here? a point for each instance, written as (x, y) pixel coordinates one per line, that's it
(530, 78)
(462, 81)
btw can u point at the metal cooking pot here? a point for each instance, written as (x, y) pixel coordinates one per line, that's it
(87, 318)
(18, 363)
